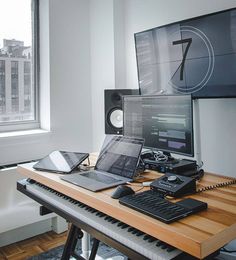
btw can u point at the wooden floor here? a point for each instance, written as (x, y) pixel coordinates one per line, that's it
(33, 246)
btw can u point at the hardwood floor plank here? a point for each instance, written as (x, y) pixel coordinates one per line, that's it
(48, 246)
(20, 256)
(11, 250)
(32, 246)
(2, 257)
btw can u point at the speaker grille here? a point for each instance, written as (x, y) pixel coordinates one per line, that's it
(113, 109)
(115, 118)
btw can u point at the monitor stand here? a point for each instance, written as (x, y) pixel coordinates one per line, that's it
(170, 158)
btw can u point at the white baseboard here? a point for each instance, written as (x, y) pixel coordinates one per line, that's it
(59, 224)
(27, 231)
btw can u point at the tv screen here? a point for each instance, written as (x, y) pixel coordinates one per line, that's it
(164, 121)
(195, 56)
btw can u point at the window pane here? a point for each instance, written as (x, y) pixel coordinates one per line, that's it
(2, 88)
(17, 90)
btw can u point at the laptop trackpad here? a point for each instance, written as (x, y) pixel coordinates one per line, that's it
(100, 177)
(90, 184)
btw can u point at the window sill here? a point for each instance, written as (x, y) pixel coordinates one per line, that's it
(23, 133)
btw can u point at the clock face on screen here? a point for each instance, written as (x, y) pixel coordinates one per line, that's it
(195, 56)
(181, 69)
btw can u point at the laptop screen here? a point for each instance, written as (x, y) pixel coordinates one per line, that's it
(120, 155)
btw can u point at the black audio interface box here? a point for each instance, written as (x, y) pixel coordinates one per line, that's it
(174, 185)
(177, 166)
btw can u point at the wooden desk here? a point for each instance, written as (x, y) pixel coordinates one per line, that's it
(199, 235)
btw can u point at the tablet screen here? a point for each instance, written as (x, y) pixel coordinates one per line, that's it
(60, 161)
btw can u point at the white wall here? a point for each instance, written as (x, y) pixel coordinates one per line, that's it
(70, 92)
(102, 62)
(218, 117)
(119, 44)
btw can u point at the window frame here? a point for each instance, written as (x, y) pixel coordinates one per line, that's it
(30, 124)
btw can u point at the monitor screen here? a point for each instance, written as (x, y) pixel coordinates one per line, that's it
(164, 121)
(195, 56)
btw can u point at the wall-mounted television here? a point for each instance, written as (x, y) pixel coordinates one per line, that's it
(195, 56)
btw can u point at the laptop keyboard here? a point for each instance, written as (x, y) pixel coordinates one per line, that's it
(100, 177)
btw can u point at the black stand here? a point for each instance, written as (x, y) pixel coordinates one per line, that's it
(76, 233)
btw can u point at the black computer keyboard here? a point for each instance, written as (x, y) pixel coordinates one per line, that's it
(150, 203)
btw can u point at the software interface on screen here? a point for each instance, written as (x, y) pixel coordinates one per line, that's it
(119, 155)
(165, 122)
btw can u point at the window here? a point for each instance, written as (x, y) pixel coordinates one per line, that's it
(2, 88)
(19, 65)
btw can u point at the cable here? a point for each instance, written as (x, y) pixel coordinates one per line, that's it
(85, 166)
(160, 157)
(218, 185)
(199, 175)
(223, 249)
(200, 166)
(88, 161)
(141, 167)
(136, 185)
(139, 189)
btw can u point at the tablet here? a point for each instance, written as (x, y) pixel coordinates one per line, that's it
(60, 161)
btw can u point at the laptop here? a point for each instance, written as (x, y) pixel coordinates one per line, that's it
(61, 161)
(116, 164)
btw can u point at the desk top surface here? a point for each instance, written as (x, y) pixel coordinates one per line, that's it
(199, 234)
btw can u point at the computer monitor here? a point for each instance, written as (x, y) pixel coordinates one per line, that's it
(164, 121)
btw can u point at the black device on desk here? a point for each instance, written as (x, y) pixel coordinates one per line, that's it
(161, 162)
(174, 185)
(121, 191)
(154, 204)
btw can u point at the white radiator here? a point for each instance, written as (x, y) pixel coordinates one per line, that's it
(18, 211)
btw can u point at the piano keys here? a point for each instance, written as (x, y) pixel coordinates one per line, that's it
(129, 236)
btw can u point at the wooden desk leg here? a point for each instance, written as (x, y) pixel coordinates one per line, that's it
(74, 234)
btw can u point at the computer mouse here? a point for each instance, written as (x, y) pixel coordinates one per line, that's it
(122, 191)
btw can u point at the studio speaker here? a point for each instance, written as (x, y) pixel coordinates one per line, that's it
(113, 109)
